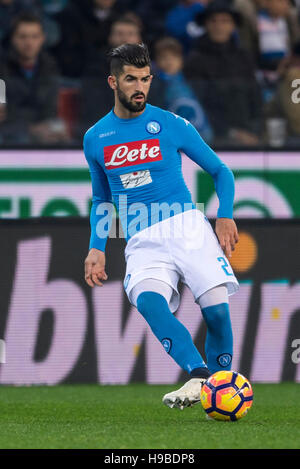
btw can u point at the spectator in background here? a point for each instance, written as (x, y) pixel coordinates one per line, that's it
(247, 27)
(224, 78)
(170, 89)
(269, 29)
(95, 97)
(153, 14)
(180, 21)
(126, 29)
(31, 85)
(48, 10)
(9, 9)
(285, 103)
(278, 30)
(84, 24)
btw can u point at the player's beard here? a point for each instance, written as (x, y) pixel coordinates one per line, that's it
(129, 104)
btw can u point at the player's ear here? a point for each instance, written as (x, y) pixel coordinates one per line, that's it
(112, 81)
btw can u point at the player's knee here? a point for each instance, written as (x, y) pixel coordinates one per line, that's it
(148, 302)
(217, 317)
(142, 302)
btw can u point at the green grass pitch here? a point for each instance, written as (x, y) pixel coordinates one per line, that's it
(133, 416)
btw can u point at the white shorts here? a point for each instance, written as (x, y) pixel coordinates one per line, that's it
(183, 247)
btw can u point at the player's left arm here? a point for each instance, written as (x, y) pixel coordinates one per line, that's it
(101, 209)
(192, 144)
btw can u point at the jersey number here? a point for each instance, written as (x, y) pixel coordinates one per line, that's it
(224, 265)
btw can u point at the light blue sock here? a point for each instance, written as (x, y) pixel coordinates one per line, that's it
(174, 337)
(219, 340)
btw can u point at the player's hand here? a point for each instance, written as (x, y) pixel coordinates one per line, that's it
(94, 268)
(227, 233)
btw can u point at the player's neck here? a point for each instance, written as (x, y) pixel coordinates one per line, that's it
(123, 113)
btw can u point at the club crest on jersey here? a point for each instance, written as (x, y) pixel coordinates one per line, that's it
(132, 153)
(153, 127)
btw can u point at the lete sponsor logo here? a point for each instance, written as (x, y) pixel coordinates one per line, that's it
(132, 153)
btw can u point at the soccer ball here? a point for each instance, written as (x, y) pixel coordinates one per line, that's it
(226, 395)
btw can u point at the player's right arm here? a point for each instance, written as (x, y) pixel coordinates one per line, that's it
(100, 217)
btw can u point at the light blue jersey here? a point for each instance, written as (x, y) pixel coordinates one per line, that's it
(136, 164)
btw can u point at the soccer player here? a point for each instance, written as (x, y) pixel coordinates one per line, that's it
(135, 162)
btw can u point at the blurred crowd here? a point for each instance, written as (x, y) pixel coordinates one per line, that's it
(232, 67)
